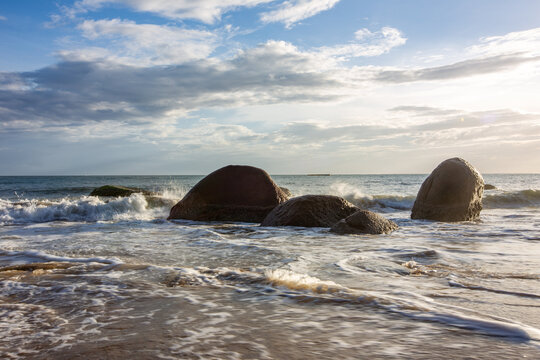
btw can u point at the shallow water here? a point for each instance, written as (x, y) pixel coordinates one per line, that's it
(109, 278)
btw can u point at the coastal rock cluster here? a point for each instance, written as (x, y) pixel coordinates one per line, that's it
(452, 192)
(248, 194)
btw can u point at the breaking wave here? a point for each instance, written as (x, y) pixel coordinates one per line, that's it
(513, 199)
(358, 198)
(85, 208)
(501, 199)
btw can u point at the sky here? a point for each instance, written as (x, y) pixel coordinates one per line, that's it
(143, 87)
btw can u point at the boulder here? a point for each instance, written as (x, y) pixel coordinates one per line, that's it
(310, 211)
(364, 222)
(452, 192)
(232, 193)
(114, 190)
(490, 187)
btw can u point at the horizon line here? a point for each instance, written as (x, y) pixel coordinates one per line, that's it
(304, 174)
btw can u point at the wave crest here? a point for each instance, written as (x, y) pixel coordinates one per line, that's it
(513, 199)
(85, 208)
(358, 198)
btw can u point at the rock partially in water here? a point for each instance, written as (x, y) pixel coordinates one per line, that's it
(286, 191)
(452, 192)
(232, 193)
(53, 265)
(490, 187)
(310, 211)
(116, 191)
(155, 201)
(364, 222)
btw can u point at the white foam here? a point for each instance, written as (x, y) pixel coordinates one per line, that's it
(33, 255)
(359, 198)
(296, 281)
(349, 192)
(85, 208)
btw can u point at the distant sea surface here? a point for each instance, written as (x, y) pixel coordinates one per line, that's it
(95, 278)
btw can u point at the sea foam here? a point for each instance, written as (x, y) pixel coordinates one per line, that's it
(85, 208)
(359, 198)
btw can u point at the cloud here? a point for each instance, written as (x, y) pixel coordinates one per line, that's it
(77, 92)
(367, 44)
(101, 89)
(3, 18)
(207, 11)
(13, 82)
(460, 69)
(455, 130)
(293, 11)
(142, 44)
(423, 110)
(526, 42)
(491, 55)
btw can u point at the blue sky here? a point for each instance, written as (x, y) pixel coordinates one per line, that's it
(298, 86)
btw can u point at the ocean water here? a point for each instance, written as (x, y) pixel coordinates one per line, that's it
(84, 277)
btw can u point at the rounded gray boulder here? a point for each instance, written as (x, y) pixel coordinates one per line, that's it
(364, 222)
(452, 192)
(310, 211)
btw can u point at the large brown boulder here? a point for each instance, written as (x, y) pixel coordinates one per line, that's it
(364, 222)
(452, 192)
(232, 193)
(310, 211)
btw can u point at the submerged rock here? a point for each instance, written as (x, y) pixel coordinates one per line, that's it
(232, 193)
(364, 222)
(452, 192)
(115, 190)
(53, 265)
(310, 211)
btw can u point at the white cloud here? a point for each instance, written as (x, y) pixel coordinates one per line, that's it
(207, 11)
(461, 69)
(3, 18)
(332, 111)
(72, 92)
(367, 44)
(143, 44)
(526, 42)
(293, 11)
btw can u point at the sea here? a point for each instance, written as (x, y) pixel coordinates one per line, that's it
(83, 277)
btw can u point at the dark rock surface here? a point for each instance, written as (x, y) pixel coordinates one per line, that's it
(452, 192)
(364, 222)
(310, 211)
(490, 187)
(114, 190)
(232, 193)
